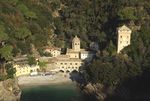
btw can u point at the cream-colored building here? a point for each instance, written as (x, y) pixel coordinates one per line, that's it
(22, 67)
(124, 37)
(25, 69)
(54, 51)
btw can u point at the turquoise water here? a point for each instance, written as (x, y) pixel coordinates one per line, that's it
(62, 92)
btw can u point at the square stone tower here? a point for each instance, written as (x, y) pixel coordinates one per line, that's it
(124, 37)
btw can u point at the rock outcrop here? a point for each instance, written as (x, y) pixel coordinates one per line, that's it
(9, 90)
(98, 90)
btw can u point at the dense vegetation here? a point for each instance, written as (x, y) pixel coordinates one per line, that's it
(24, 23)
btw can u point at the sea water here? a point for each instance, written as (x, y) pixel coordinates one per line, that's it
(58, 92)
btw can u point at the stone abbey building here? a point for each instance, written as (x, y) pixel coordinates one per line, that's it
(75, 56)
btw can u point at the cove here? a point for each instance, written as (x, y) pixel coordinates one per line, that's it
(59, 92)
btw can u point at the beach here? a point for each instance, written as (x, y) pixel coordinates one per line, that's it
(38, 80)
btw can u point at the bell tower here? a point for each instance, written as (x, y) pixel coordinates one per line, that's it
(76, 44)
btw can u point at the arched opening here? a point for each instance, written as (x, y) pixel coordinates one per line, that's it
(74, 71)
(67, 71)
(61, 71)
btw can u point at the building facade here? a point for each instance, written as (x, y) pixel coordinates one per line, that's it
(124, 37)
(25, 69)
(22, 67)
(53, 51)
(66, 64)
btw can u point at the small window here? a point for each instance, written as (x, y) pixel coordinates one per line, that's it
(70, 63)
(61, 63)
(65, 63)
(127, 42)
(76, 63)
(120, 41)
(127, 37)
(121, 36)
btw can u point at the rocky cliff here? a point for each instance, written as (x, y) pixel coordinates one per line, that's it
(9, 90)
(98, 91)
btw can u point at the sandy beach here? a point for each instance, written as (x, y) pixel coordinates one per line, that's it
(24, 81)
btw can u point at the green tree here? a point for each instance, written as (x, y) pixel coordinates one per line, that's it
(111, 48)
(31, 60)
(13, 2)
(23, 8)
(59, 43)
(144, 34)
(31, 15)
(127, 13)
(3, 35)
(23, 33)
(26, 12)
(10, 70)
(5, 56)
(42, 66)
(6, 52)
